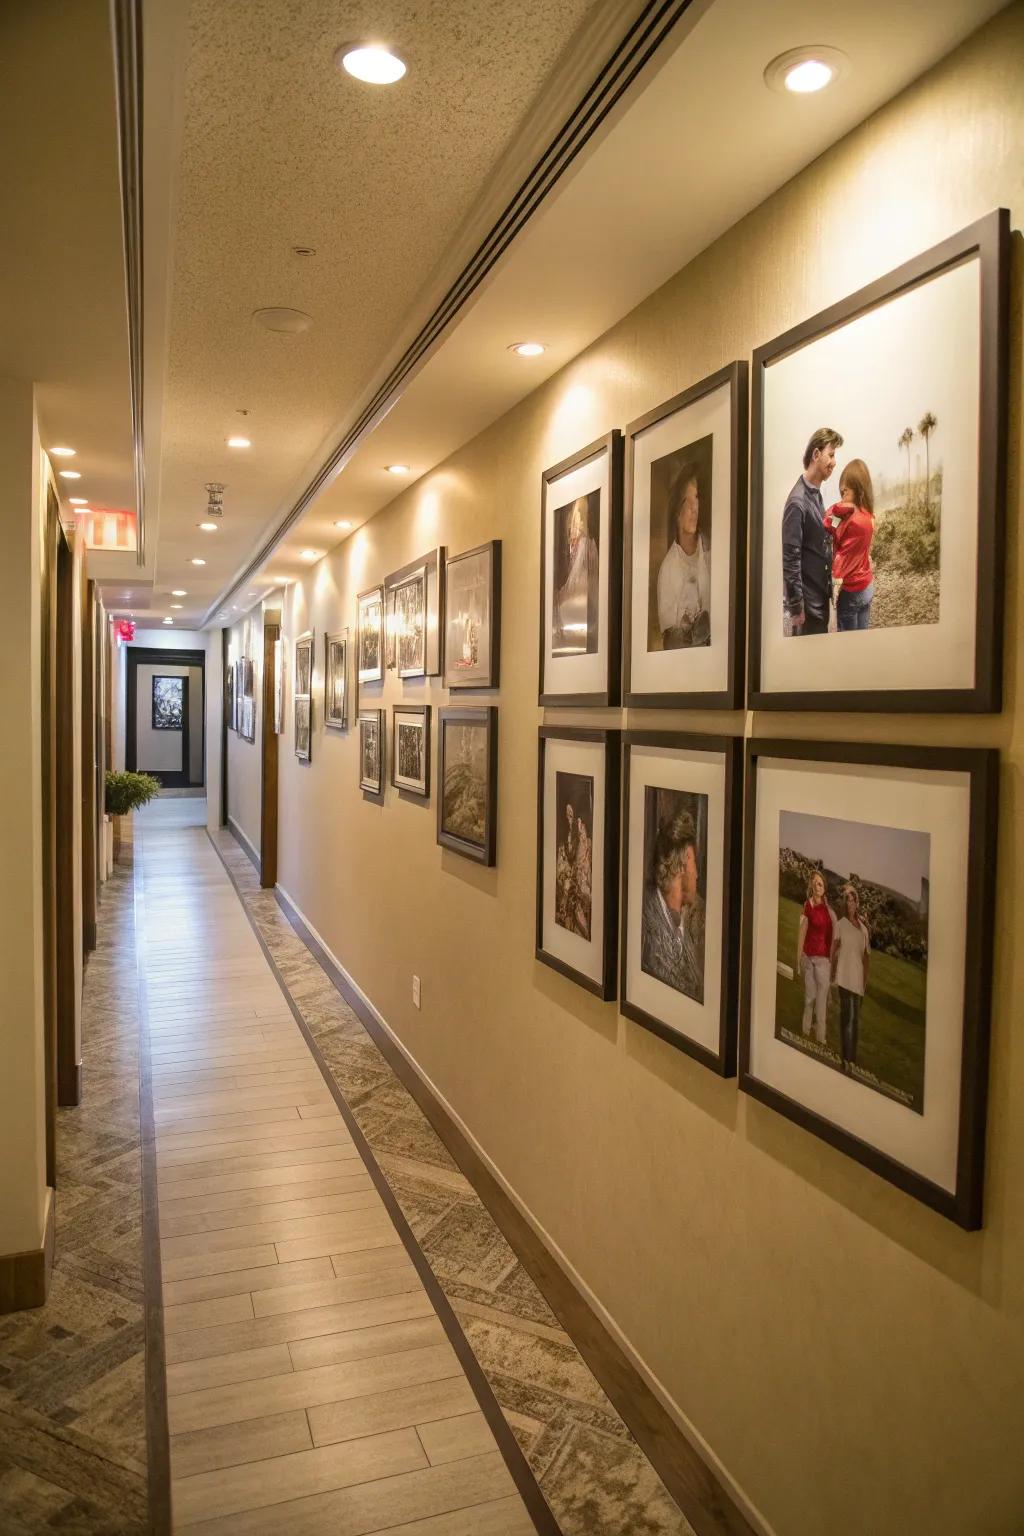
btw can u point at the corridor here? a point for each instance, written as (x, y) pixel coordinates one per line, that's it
(306, 1363)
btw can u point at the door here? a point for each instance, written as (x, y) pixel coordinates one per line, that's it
(165, 714)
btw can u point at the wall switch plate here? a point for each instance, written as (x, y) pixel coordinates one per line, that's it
(416, 992)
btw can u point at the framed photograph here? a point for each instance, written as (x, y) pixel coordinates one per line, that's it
(278, 687)
(371, 751)
(685, 547)
(229, 697)
(578, 855)
(336, 680)
(239, 685)
(304, 665)
(410, 748)
(303, 707)
(247, 674)
(168, 708)
(879, 470)
(370, 636)
(581, 576)
(472, 607)
(869, 908)
(467, 805)
(681, 891)
(408, 623)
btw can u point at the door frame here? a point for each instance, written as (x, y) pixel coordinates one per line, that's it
(146, 656)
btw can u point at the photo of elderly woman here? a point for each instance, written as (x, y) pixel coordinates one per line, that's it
(852, 956)
(679, 591)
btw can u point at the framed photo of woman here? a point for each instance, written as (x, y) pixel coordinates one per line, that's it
(685, 547)
(681, 850)
(581, 576)
(578, 855)
(878, 507)
(869, 905)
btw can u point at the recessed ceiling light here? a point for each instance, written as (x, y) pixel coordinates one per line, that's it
(63, 453)
(79, 501)
(239, 442)
(197, 561)
(311, 554)
(176, 605)
(527, 348)
(168, 621)
(803, 71)
(179, 592)
(70, 474)
(343, 522)
(370, 62)
(397, 469)
(288, 322)
(207, 527)
(303, 250)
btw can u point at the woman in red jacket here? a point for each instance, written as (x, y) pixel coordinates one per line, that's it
(852, 521)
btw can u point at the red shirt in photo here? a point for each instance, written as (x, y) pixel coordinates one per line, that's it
(853, 528)
(818, 939)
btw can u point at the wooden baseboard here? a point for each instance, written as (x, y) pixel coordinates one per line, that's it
(692, 1480)
(244, 843)
(69, 1087)
(25, 1277)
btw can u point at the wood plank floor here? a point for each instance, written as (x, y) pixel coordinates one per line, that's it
(311, 1383)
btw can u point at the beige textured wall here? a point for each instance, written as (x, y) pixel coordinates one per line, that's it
(854, 1361)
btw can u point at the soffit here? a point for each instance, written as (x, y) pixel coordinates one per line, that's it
(62, 255)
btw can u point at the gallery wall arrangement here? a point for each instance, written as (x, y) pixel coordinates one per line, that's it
(782, 914)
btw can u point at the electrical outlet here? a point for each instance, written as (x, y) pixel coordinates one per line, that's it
(416, 992)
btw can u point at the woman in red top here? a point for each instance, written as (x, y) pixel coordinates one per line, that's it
(852, 521)
(814, 955)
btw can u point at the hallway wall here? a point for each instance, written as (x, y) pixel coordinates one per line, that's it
(245, 639)
(854, 1361)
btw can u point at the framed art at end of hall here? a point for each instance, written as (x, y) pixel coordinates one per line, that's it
(878, 491)
(681, 852)
(578, 855)
(685, 548)
(869, 906)
(581, 576)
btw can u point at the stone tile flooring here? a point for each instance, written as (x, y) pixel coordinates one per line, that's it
(72, 1373)
(591, 1471)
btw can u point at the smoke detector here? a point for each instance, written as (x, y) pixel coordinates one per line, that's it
(215, 504)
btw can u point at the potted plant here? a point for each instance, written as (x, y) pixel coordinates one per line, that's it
(125, 793)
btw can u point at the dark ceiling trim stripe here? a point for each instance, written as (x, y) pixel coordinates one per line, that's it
(637, 47)
(126, 25)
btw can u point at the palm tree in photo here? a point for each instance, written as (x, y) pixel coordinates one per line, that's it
(926, 426)
(904, 440)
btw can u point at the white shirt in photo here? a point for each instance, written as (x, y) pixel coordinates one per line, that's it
(854, 943)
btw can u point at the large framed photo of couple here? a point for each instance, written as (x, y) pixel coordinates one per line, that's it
(869, 906)
(680, 891)
(685, 547)
(878, 505)
(578, 855)
(581, 576)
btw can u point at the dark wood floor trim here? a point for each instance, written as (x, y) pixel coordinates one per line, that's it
(25, 1277)
(529, 1489)
(243, 843)
(694, 1485)
(158, 1444)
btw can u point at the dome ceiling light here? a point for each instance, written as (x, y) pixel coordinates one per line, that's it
(286, 322)
(805, 71)
(370, 62)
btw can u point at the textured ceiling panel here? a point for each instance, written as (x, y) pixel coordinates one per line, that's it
(279, 148)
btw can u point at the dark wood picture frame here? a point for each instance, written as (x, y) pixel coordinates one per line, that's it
(331, 720)
(609, 739)
(304, 646)
(365, 598)
(307, 700)
(230, 718)
(611, 444)
(155, 723)
(989, 240)
(723, 1059)
(374, 791)
(735, 375)
(423, 711)
(964, 1205)
(493, 549)
(247, 727)
(432, 564)
(485, 715)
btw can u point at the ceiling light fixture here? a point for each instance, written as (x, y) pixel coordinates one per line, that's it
(62, 453)
(207, 527)
(804, 71)
(289, 322)
(239, 442)
(70, 474)
(397, 469)
(343, 523)
(527, 348)
(311, 554)
(79, 501)
(168, 621)
(179, 592)
(197, 561)
(370, 62)
(176, 605)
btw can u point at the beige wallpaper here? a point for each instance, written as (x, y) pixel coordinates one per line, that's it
(854, 1361)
